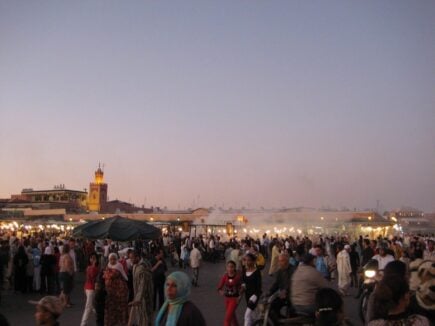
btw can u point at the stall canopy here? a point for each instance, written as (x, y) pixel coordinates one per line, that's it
(117, 228)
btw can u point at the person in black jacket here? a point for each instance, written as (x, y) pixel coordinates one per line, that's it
(48, 271)
(251, 279)
(100, 298)
(158, 269)
(354, 264)
(367, 253)
(281, 284)
(20, 267)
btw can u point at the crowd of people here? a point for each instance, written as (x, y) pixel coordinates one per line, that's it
(131, 287)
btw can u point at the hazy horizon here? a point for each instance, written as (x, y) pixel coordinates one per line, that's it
(197, 104)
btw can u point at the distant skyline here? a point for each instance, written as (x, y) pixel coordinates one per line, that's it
(192, 103)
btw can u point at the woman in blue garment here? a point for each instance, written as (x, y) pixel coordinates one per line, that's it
(177, 310)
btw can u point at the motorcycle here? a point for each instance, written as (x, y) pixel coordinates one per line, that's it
(264, 318)
(371, 275)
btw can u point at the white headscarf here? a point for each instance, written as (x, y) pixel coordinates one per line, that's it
(118, 266)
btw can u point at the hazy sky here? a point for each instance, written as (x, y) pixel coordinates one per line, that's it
(235, 103)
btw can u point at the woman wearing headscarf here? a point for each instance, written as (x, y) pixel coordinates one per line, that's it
(116, 306)
(177, 310)
(391, 302)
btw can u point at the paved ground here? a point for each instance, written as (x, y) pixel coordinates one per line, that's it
(19, 312)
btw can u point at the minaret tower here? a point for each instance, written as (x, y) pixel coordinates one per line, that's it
(97, 192)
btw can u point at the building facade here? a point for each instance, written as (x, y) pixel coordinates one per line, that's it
(56, 198)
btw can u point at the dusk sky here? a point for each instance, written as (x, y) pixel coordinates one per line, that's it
(227, 103)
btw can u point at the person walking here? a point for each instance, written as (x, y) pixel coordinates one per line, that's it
(48, 266)
(184, 256)
(230, 287)
(91, 276)
(142, 305)
(274, 258)
(354, 264)
(29, 270)
(251, 279)
(235, 256)
(211, 249)
(344, 270)
(100, 298)
(195, 258)
(66, 272)
(36, 257)
(115, 279)
(159, 269)
(20, 267)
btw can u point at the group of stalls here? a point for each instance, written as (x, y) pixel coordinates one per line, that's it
(116, 228)
(41, 227)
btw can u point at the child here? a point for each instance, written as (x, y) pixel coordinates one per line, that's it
(230, 287)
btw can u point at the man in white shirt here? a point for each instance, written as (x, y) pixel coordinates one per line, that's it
(211, 247)
(383, 258)
(195, 257)
(344, 270)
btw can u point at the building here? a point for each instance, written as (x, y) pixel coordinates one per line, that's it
(117, 206)
(97, 192)
(411, 219)
(73, 201)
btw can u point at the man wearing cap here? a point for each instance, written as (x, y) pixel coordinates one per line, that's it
(344, 270)
(48, 310)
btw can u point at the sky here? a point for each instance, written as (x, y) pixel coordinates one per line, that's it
(225, 103)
